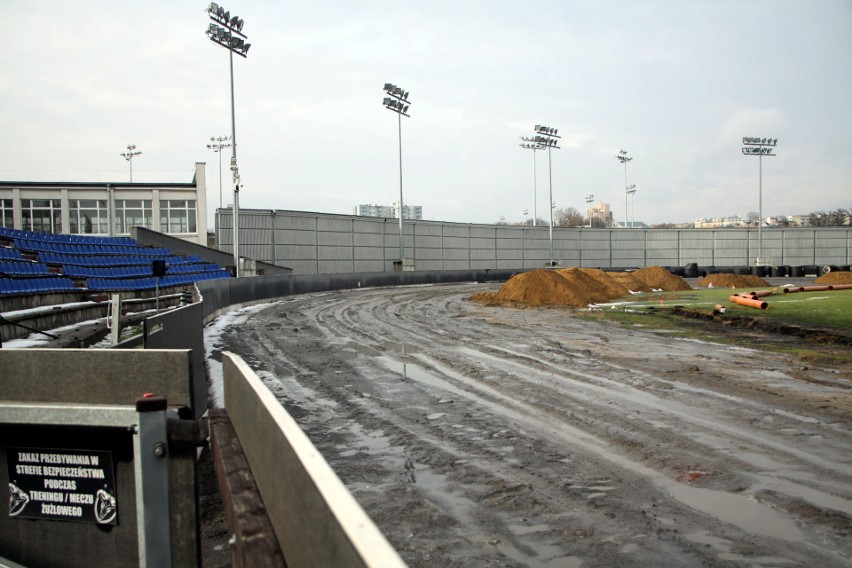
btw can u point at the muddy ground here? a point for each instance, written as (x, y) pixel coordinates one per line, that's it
(489, 436)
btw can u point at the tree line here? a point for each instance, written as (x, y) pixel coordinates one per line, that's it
(833, 218)
(571, 217)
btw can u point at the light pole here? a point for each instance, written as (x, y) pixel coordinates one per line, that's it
(547, 137)
(398, 103)
(129, 155)
(589, 199)
(760, 147)
(622, 157)
(217, 145)
(227, 32)
(529, 144)
(631, 191)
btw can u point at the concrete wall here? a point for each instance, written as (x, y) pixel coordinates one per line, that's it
(319, 243)
(220, 296)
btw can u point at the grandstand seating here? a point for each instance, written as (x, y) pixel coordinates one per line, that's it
(23, 268)
(35, 285)
(7, 253)
(32, 262)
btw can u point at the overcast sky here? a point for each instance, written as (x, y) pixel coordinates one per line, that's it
(676, 84)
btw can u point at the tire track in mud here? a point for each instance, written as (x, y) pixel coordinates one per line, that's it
(475, 456)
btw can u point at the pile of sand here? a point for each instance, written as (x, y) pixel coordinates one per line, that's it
(842, 277)
(658, 278)
(726, 280)
(579, 287)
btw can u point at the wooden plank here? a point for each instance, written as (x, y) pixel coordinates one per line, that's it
(254, 540)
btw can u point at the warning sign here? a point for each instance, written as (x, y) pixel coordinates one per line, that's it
(64, 485)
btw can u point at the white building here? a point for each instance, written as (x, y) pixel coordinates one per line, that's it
(411, 212)
(108, 209)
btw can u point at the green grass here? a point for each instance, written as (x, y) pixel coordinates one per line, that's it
(829, 309)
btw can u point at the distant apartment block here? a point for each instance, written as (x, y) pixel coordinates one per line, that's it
(600, 215)
(412, 212)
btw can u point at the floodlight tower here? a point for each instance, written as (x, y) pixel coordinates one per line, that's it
(530, 144)
(548, 138)
(589, 199)
(397, 101)
(227, 32)
(760, 147)
(129, 155)
(622, 157)
(217, 144)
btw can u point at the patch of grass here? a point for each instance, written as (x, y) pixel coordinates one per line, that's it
(690, 314)
(829, 309)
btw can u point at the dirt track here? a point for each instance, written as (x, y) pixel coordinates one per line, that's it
(486, 436)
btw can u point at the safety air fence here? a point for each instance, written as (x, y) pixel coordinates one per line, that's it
(312, 243)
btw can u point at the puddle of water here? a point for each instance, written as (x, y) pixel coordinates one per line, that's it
(548, 556)
(522, 530)
(738, 510)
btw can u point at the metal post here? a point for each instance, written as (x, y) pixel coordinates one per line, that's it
(401, 242)
(625, 194)
(236, 209)
(550, 202)
(535, 189)
(760, 211)
(151, 466)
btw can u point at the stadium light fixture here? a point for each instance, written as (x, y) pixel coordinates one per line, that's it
(548, 138)
(760, 147)
(226, 31)
(129, 155)
(397, 101)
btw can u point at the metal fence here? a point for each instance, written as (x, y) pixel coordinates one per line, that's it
(320, 243)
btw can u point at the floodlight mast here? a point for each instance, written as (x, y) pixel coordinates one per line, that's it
(227, 32)
(398, 103)
(548, 138)
(129, 155)
(622, 157)
(760, 147)
(530, 144)
(589, 199)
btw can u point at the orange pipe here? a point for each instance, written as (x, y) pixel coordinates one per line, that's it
(761, 293)
(816, 288)
(842, 286)
(789, 290)
(750, 302)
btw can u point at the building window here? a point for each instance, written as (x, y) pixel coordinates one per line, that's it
(6, 218)
(133, 213)
(178, 216)
(88, 216)
(41, 215)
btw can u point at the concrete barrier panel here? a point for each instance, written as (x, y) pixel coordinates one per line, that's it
(316, 520)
